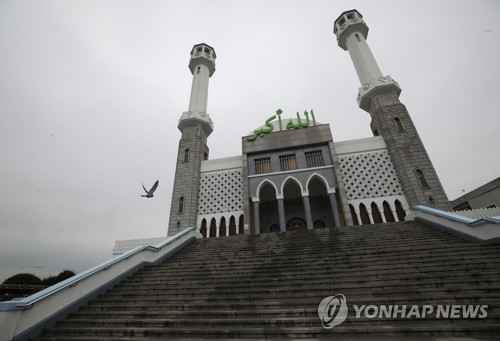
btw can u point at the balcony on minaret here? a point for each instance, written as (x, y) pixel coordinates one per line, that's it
(202, 66)
(202, 54)
(347, 23)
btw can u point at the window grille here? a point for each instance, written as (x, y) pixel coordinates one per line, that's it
(263, 165)
(288, 162)
(314, 159)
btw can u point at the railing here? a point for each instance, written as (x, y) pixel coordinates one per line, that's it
(27, 303)
(478, 230)
(458, 217)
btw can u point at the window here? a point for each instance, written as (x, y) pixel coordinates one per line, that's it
(288, 162)
(262, 165)
(357, 37)
(198, 70)
(199, 49)
(399, 124)
(314, 159)
(206, 156)
(421, 178)
(181, 205)
(186, 156)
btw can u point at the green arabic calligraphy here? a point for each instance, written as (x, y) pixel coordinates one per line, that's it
(290, 125)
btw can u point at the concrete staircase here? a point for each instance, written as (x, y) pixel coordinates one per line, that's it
(270, 287)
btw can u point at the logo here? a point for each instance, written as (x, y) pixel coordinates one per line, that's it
(332, 311)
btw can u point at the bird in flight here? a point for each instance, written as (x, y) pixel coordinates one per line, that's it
(151, 191)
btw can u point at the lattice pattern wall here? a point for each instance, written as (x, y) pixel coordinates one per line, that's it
(369, 175)
(221, 192)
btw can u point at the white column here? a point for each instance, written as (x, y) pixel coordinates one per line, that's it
(199, 89)
(362, 58)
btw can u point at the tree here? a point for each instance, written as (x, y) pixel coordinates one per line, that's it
(25, 284)
(65, 274)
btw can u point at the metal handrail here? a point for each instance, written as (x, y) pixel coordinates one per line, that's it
(457, 217)
(27, 302)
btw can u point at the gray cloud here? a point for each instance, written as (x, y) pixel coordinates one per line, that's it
(91, 91)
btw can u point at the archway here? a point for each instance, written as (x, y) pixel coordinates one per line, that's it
(240, 225)
(293, 202)
(268, 207)
(377, 218)
(321, 209)
(213, 228)
(365, 218)
(389, 217)
(232, 226)
(203, 228)
(400, 212)
(222, 227)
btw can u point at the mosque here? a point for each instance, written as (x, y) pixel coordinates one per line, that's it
(291, 174)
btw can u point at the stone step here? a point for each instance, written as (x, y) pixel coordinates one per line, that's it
(253, 322)
(406, 330)
(493, 312)
(319, 275)
(294, 284)
(295, 303)
(269, 287)
(196, 251)
(318, 294)
(474, 262)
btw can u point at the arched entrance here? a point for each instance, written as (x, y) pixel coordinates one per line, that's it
(268, 207)
(365, 218)
(222, 227)
(232, 226)
(389, 217)
(319, 199)
(400, 212)
(240, 225)
(293, 204)
(213, 228)
(203, 229)
(377, 217)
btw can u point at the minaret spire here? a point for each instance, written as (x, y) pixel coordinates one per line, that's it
(195, 126)
(351, 32)
(379, 95)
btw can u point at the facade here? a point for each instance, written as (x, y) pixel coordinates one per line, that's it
(291, 174)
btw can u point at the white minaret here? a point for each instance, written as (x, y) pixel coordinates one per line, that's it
(195, 126)
(202, 66)
(351, 32)
(379, 96)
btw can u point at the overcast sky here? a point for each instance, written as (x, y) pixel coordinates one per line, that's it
(91, 92)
